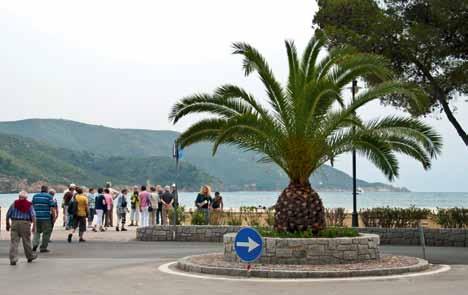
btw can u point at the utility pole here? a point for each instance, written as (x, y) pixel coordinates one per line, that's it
(355, 217)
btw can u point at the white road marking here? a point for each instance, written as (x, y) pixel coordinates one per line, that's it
(165, 268)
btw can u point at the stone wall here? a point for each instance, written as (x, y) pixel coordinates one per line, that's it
(388, 236)
(446, 237)
(189, 233)
(311, 251)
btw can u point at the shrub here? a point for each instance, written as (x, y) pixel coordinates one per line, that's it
(250, 215)
(336, 232)
(198, 218)
(216, 218)
(180, 217)
(329, 232)
(335, 216)
(452, 217)
(270, 220)
(233, 218)
(393, 217)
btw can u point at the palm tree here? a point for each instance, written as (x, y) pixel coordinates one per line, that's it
(308, 123)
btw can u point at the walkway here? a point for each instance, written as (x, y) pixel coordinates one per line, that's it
(130, 267)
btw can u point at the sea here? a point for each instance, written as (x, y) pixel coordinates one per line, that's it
(430, 200)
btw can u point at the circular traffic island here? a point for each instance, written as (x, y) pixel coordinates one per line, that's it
(316, 257)
(214, 264)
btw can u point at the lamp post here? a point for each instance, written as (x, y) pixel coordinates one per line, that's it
(355, 217)
(176, 156)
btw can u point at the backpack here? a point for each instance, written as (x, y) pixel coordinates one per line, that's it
(72, 207)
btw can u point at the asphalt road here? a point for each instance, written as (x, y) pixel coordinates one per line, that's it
(132, 268)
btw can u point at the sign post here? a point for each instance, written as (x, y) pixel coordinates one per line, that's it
(248, 245)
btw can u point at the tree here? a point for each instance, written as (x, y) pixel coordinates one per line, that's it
(425, 40)
(308, 122)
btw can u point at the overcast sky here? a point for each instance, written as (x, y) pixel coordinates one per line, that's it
(124, 63)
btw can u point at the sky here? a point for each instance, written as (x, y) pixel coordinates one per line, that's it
(123, 64)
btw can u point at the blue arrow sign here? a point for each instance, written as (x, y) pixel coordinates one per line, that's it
(248, 244)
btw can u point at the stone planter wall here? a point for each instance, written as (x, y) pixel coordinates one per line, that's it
(190, 233)
(388, 236)
(312, 251)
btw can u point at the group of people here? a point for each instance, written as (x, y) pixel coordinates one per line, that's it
(153, 206)
(206, 203)
(93, 209)
(80, 209)
(147, 207)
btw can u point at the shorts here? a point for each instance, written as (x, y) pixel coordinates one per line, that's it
(80, 222)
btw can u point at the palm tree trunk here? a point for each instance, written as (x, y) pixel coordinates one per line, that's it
(299, 208)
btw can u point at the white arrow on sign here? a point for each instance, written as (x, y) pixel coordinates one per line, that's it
(251, 244)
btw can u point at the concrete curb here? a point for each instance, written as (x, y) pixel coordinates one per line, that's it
(186, 265)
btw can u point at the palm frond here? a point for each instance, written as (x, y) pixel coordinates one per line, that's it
(295, 73)
(254, 61)
(205, 103)
(203, 130)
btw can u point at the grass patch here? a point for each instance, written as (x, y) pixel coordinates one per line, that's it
(329, 232)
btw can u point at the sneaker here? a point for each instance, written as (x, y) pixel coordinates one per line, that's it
(12, 262)
(124, 229)
(45, 251)
(94, 230)
(31, 259)
(69, 238)
(34, 248)
(117, 228)
(82, 240)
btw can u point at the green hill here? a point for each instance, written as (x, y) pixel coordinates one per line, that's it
(24, 161)
(236, 169)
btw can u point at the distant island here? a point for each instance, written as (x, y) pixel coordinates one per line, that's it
(58, 152)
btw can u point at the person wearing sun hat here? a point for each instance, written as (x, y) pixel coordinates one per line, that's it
(23, 222)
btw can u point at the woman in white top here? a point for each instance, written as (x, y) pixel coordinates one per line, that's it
(154, 200)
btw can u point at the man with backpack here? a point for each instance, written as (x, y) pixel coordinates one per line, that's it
(78, 208)
(67, 197)
(122, 210)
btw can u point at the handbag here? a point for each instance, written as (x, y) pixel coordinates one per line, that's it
(150, 207)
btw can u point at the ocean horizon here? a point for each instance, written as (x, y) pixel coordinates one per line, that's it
(430, 200)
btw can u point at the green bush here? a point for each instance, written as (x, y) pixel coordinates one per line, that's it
(180, 217)
(251, 215)
(452, 217)
(393, 217)
(270, 217)
(329, 232)
(198, 218)
(336, 232)
(335, 216)
(233, 218)
(216, 217)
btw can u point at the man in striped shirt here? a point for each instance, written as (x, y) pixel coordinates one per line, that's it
(43, 206)
(22, 215)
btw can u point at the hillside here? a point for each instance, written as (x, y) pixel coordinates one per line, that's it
(237, 170)
(25, 162)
